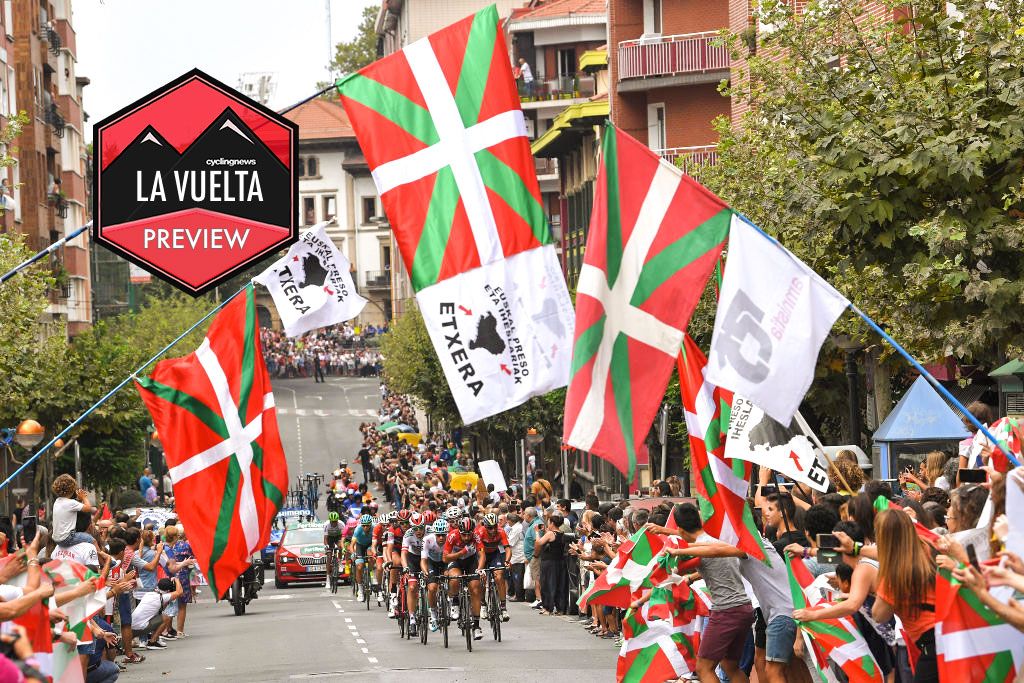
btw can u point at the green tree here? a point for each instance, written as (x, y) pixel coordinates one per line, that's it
(888, 155)
(352, 55)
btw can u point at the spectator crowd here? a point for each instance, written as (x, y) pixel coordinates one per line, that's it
(338, 350)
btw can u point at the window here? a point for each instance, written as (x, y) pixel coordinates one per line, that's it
(656, 126)
(652, 17)
(385, 257)
(308, 211)
(369, 209)
(329, 206)
(312, 167)
(302, 167)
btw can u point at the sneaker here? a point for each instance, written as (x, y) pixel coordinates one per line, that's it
(155, 646)
(172, 634)
(483, 611)
(359, 595)
(393, 613)
(169, 636)
(455, 612)
(477, 633)
(433, 623)
(504, 614)
(535, 604)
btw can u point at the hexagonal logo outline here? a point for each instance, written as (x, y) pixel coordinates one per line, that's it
(290, 147)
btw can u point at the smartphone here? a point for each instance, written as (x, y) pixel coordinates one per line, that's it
(828, 541)
(972, 557)
(972, 476)
(28, 528)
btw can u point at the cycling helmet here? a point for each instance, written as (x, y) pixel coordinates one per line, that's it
(465, 525)
(366, 519)
(441, 527)
(392, 516)
(333, 517)
(490, 519)
(404, 515)
(416, 520)
(373, 506)
(429, 517)
(452, 514)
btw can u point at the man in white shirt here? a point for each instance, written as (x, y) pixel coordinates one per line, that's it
(150, 605)
(527, 75)
(517, 565)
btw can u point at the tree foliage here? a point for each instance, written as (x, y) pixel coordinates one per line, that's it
(351, 56)
(887, 153)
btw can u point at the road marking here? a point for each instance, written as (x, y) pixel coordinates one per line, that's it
(366, 651)
(355, 634)
(279, 597)
(348, 620)
(211, 668)
(351, 627)
(371, 660)
(298, 424)
(336, 605)
(360, 641)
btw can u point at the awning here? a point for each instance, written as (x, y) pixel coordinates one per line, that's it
(575, 116)
(594, 59)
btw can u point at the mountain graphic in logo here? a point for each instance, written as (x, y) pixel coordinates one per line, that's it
(313, 272)
(487, 336)
(197, 178)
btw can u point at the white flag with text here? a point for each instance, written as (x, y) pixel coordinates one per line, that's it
(773, 316)
(312, 284)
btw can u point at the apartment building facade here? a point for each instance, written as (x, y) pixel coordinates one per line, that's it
(335, 182)
(52, 198)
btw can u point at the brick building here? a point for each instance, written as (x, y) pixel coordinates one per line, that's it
(51, 168)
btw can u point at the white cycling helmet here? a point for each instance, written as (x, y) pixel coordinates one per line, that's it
(452, 514)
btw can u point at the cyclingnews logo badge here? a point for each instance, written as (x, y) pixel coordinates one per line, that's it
(195, 182)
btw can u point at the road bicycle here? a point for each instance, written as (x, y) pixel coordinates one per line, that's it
(465, 607)
(403, 607)
(442, 608)
(367, 581)
(422, 608)
(333, 561)
(492, 603)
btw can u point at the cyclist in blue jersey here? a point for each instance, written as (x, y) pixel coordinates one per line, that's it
(360, 548)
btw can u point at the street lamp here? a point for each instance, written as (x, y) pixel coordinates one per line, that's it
(29, 434)
(850, 347)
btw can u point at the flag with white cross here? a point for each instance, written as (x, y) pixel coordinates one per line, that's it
(214, 411)
(655, 236)
(441, 128)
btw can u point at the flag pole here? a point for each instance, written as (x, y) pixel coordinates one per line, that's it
(118, 388)
(899, 349)
(49, 250)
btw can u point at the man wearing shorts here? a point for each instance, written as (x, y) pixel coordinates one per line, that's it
(461, 550)
(412, 552)
(728, 626)
(432, 564)
(360, 548)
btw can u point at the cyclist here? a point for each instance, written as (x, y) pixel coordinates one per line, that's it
(461, 548)
(334, 530)
(412, 551)
(393, 552)
(497, 554)
(380, 533)
(361, 548)
(432, 564)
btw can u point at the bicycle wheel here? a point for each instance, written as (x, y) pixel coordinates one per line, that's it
(366, 583)
(494, 610)
(443, 614)
(423, 616)
(466, 616)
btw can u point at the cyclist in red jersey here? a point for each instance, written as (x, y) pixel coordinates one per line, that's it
(461, 550)
(496, 554)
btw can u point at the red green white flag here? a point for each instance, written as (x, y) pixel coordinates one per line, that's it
(661, 638)
(722, 483)
(973, 643)
(636, 566)
(214, 410)
(445, 139)
(836, 639)
(655, 236)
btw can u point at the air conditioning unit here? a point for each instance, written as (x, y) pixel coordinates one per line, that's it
(1014, 403)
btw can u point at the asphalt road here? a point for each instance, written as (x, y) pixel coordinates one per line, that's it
(305, 633)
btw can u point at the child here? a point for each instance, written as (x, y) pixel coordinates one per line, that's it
(70, 501)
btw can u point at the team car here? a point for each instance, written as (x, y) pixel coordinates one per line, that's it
(285, 516)
(301, 555)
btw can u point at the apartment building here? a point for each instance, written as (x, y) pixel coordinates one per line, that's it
(666, 64)
(335, 182)
(552, 36)
(51, 168)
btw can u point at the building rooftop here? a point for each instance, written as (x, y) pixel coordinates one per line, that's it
(321, 119)
(565, 12)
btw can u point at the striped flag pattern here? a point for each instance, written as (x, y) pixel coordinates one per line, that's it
(661, 638)
(722, 483)
(972, 642)
(637, 565)
(655, 237)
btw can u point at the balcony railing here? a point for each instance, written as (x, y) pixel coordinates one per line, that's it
(58, 202)
(378, 279)
(52, 116)
(51, 36)
(691, 159)
(545, 166)
(671, 55)
(561, 88)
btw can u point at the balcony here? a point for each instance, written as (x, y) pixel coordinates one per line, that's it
(545, 167)
(51, 36)
(378, 279)
(690, 159)
(556, 90)
(679, 55)
(66, 34)
(52, 116)
(59, 202)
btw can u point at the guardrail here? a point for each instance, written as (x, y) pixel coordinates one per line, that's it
(671, 55)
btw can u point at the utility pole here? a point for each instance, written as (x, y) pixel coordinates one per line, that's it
(330, 40)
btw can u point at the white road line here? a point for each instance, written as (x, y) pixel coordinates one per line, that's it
(348, 620)
(298, 426)
(360, 641)
(336, 605)
(366, 651)
(355, 634)
(371, 660)
(351, 627)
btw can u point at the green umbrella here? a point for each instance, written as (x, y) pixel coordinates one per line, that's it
(386, 426)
